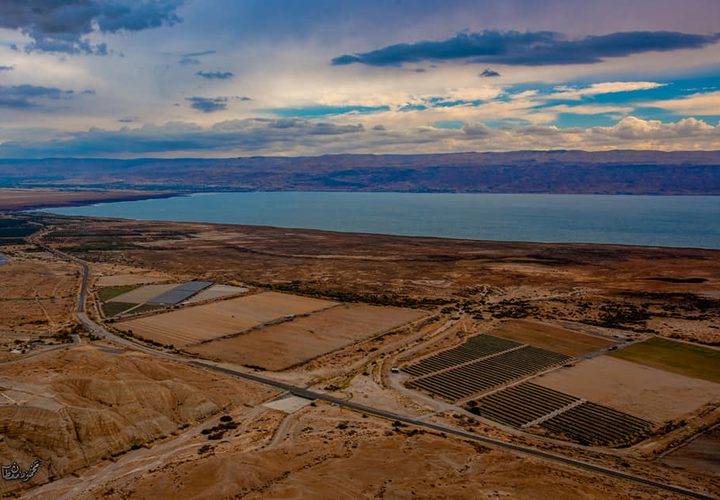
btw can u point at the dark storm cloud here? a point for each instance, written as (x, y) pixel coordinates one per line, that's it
(489, 73)
(248, 135)
(208, 104)
(63, 25)
(30, 96)
(215, 75)
(529, 48)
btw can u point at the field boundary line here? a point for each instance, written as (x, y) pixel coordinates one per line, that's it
(554, 413)
(476, 360)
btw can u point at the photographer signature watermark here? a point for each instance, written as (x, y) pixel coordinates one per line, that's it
(13, 472)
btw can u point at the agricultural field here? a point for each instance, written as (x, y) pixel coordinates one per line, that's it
(553, 338)
(126, 279)
(701, 454)
(475, 348)
(216, 292)
(13, 231)
(529, 405)
(521, 404)
(140, 295)
(673, 356)
(480, 376)
(281, 346)
(639, 390)
(593, 424)
(203, 322)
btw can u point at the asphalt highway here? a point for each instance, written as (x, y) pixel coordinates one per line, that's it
(100, 331)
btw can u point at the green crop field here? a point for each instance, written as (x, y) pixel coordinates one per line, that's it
(110, 309)
(110, 292)
(677, 357)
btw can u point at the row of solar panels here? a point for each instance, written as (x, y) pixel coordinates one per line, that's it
(180, 293)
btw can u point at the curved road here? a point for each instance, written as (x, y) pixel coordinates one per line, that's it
(100, 331)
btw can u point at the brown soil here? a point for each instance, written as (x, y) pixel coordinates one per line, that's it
(604, 285)
(203, 322)
(701, 454)
(73, 408)
(552, 338)
(37, 293)
(27, 199)
(281, 346)
(639, 390)
(326, 452)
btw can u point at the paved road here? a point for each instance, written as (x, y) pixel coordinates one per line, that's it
(308, 394)
(100, 331)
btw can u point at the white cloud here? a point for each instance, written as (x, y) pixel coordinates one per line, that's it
(707, 103)
(565, 92)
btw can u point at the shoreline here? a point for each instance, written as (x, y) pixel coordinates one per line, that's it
(572, 245)
(22, 199)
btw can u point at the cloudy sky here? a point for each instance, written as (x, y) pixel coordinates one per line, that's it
(213, 78)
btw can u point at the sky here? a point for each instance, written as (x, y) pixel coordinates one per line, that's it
(228, 78)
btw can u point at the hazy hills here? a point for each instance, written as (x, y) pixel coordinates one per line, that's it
(609, 172)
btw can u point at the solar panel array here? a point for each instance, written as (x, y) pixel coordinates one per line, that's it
(594, 424)
(180, 293)
(521, 404)
(487, 373)
(476, 347)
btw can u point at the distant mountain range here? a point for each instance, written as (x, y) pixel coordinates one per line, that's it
(607, 172)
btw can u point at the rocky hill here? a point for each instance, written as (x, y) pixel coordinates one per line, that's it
(605, 172)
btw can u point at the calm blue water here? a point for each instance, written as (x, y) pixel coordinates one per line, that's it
(688, 221)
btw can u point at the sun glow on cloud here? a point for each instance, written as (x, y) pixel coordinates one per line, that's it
(214, 78)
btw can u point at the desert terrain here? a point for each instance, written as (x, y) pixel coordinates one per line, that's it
(13, 199)
(351, 365)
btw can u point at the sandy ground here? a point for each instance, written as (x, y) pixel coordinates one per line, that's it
(76, 407)
(638, 390)
(37, 294)
(215, 292)
(700, 454)
(288, 404)
(26, 199)
(326, 452)
(552, 338)
(208, 321)
(126, 279)
(143, 294)
(278, 347)
(606, 285)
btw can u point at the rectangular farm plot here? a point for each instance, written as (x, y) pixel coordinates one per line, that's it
(592, 424)
(142, 294)
(521, 404)
(480, 376)
(281, 346)
(643, 391)
(180, 293)
(552, 338)
(215, 292)
(673, 356)
(475, 348)
(203, 322)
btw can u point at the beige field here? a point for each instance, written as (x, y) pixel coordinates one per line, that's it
(552, 338)
(216, 292)
(197, 323)
(639, 390)
(280, 346)
(143, 294)
(701, 454)
(126, 279)
(37, 294)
